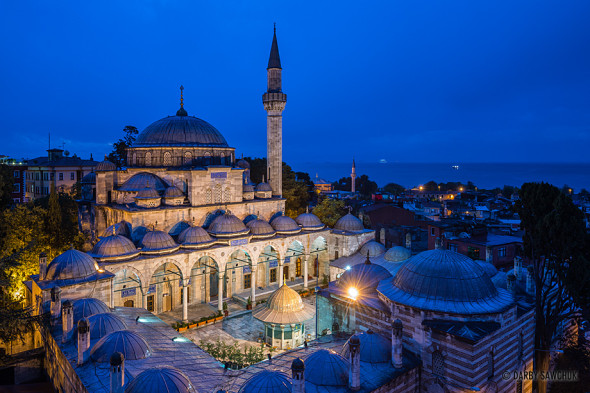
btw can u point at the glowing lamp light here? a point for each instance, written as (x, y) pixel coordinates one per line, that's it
(421, 188)
(347, 267)
(353, 293)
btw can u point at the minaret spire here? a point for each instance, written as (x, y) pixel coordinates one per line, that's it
(353, 177)
(181, 111)
(274, 101)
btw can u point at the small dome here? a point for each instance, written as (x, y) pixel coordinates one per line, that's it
(71, 264)
(260, 229)
(442, 280)
(161, 379)
(195, 236)
(373, 248)
(104, 323)
(173, 192)
(120, 228)
(154, 241)
(248, 188)
(130, 344)
(488, 267)
(284, 306)
(89, 178)
(114, 247)
(285, 225)
(263, 187)
(105, 165)
(349, 223)
(227, 225)
(87, 307)
(397, 254)
(143, 180)
(147, 193)
(180, 131)
(309, 222)
(365, 277)
(267, 381)
(374, 348)
(243, 164)
(326, 368)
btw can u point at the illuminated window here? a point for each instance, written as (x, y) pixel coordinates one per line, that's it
(188, 158)
(473, 252)
(167, 159)
(298, 267)
(438, 364)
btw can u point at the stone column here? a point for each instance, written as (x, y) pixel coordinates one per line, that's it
(207, 289)
(185, 303)
(253, 286)
(67, 321)
(112, 294)
(280, 273)
(305, 270)
(220, 292)
(55, 305)
(354, 374)
(144, 295)
(282, 336)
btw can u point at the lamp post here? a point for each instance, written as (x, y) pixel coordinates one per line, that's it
(317, 316)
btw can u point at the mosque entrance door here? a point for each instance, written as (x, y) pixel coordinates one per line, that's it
(298, 267)
(213, 280)
(150, 303)
(286, 272)
(128, 303)
(166, 302)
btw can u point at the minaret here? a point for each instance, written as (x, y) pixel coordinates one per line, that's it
(353, 178)
(274, 101)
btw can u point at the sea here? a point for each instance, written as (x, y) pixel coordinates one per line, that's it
(483, 175)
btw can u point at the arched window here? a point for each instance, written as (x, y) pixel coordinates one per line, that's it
(134, 159)
(208, 196)
(188, 158)
(227, 195)
(217, 194)
(438, 364)
(167, 159)
(148, 159)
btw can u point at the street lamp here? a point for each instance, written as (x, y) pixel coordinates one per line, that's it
(353, 293)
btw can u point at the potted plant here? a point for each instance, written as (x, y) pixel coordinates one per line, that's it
(249, 304)
(225, 310)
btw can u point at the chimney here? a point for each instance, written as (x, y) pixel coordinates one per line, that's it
(438, 243)
(530, 280)
(511, 283)
(396, 344)
(42, 266)
(298, 376)
(517, 266)
(409, 241)
(83, 340)
(55, 304)
(382, 237)
(354, 374)
(489, 255)
(117, 372)
(67, 321)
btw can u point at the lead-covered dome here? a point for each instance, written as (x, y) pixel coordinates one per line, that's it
(284, 306)
(397, 254)
(442, 280)
(326, 368)
(374, 348)
(71, 264)
(87, 307)
(180, 131)
(227, 225)
(114, 247)
(104, 323)
(309, 222)
(142, 180)
(129, 343)
(364, 277)
(349, 223)
(267, 381)
(285, 225)
(161, 379)
(260, 229)
(89, 178)
(195, 237)
(373, 248)
(105, 165)
(158, 242)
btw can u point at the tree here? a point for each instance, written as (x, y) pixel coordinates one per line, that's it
(54, 216)
(393, 188)
(119, 154)
(556, 243)
(6, 186)
(295, 191)
(364, 186)
(576, 356)
(329, 211)
(507, 191)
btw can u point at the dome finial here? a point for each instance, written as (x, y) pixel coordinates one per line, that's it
(368, 261)
(181, 111)
(114, 230)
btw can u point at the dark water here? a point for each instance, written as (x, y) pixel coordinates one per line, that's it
(483, 175)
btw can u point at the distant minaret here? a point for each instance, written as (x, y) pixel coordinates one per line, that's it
(274, 101)
(353, 177)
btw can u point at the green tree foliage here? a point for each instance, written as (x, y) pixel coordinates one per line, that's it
(556, 243)
(329, 211)
(393, 188)
(576, 356)
(6, 186)
(119, 154)
(296, 186)
(364, 186)
(507, 191)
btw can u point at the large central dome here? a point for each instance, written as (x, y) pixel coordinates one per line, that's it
(180, 131)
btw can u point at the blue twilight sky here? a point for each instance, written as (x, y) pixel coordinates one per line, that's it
(407, 81)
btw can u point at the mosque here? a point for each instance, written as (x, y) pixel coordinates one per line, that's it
(184, 224)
